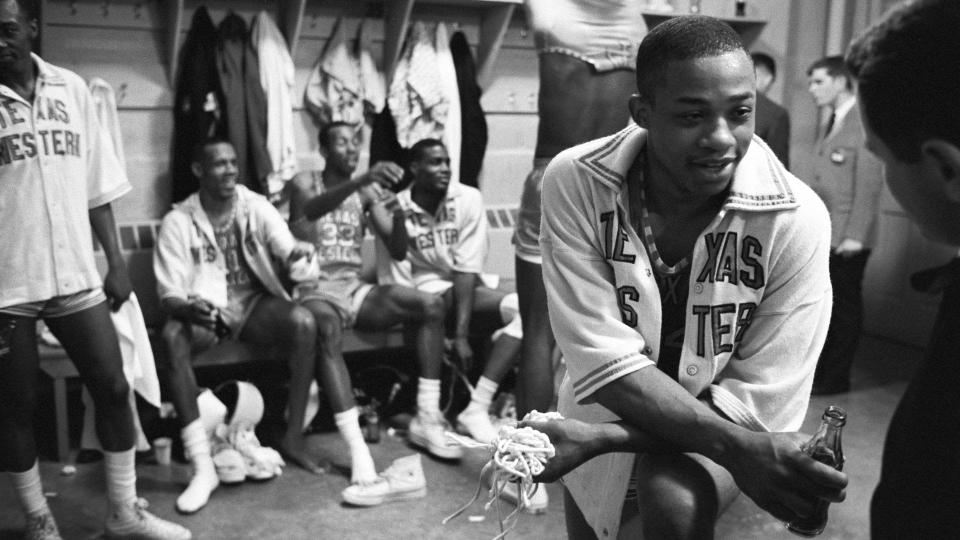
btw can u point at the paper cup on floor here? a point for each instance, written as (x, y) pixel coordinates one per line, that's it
(161, 449)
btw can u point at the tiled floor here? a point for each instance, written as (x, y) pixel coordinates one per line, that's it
(298, 505)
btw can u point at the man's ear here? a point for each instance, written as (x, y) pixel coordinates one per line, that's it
(33, 29)
(639, 110)
(197, 169)
(944, 159)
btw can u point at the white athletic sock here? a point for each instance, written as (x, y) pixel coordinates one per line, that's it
(30, 490)
(196, 446)
(482, 395)
(475, 418)
(362, 468)
(121, 472)
(428, 397)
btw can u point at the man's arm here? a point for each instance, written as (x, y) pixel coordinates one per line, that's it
(467, 262)
(387, 220)
(576, 442)
(384, 173)
(116, 284)
(194, 310)
(464, 286)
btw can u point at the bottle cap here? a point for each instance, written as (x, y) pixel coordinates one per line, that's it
(836, 414)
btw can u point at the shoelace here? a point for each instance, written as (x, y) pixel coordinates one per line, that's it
(518, 455)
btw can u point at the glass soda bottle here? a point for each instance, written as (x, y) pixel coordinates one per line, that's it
(824, 447)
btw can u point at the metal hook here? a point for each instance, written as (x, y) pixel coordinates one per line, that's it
(105, 8)
(136, 10)
(73, 7)
(122, 92)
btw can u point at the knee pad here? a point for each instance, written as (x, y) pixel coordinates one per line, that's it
(510, 314)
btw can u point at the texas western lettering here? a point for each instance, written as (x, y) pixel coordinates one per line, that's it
(52, 142)
(443, 233)
(732, 259)
(28, 144)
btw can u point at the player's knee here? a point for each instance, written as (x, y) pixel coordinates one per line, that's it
(173, 330)
(671, 507)
(110, 390)
(301, 324)
(176, 340)
(329, 328)
(432, 307)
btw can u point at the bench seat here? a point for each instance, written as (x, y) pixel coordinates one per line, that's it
(55, 363)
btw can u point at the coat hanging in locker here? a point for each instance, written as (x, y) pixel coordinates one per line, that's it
(198, 101)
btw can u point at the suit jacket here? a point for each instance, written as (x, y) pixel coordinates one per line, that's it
(773, 126)
(849, 179)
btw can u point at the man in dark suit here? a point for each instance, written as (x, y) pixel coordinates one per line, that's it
(772, 120)
(848, 178)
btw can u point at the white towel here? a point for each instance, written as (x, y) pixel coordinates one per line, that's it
(277, 78)
(139, 368)
(447, 72)
(105, 103)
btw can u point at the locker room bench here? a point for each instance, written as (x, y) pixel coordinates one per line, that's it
(54, 362)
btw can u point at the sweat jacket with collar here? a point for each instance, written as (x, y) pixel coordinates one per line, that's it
(757, 312)
(184, 264)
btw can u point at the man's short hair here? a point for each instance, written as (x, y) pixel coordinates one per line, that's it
(324, 136)
(30, 8)
(908, 75)
(765, 60)
(835, 67)
(681, 38)
(419, 148)
(199, 149)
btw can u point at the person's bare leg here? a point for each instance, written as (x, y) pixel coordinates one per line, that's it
(90, 340)
(331, 372)
(535, 384)
(486, 314)
(180, 340)
(18, 403)
(488, 318)
(388, 305)
(18, 393)
(680, 496)
(291, 328)
(181, 383)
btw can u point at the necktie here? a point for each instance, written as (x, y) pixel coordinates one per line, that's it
(833, 117)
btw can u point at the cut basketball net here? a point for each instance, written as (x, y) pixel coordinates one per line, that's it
(519, 454)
